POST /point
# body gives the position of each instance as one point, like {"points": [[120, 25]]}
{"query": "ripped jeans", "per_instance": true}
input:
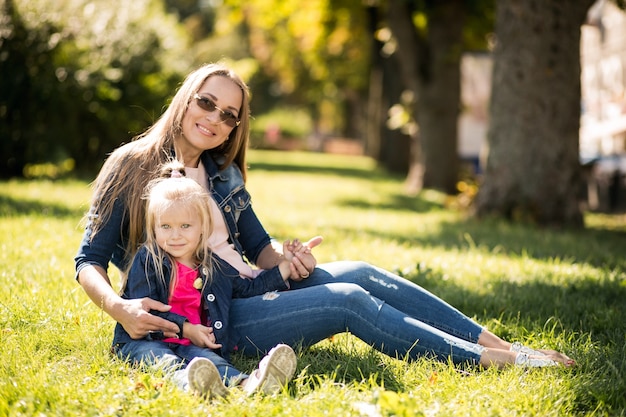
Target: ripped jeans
{"points": [[390, 313]]}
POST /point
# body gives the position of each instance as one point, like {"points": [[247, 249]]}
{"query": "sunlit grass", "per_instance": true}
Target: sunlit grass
{"points": [[559, 289]]}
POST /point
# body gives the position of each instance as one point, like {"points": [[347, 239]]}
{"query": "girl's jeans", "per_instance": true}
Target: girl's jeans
{"points": [[173, 359], [388, 312]]}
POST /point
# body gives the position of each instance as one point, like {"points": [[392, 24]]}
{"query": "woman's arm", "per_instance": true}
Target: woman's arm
{"points": [[133, 315], [93, 257]]}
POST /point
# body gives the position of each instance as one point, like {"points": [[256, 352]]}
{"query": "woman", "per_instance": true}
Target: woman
{"points": [[206, 127]]}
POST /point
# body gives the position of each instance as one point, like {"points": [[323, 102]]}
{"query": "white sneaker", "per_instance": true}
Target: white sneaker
{"points": [[523, 359], [204, 378], [518, 347], [275, 370]]}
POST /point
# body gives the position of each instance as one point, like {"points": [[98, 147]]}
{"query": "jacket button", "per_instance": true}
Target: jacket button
{"points": [[210, 298], [227, 209], [237, 235], [217, 325]]}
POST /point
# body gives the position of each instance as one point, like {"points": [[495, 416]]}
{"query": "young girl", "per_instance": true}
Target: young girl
{"points": [[176, 266]]}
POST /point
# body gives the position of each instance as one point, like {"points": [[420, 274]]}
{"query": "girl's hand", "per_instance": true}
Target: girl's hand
{"points": [[200, 335], [303, 262], [291, 247]]}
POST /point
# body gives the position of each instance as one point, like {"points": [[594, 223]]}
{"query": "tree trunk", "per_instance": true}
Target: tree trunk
{"points": [[533, 171], [430, 68], [375, 93], [395, 147], [440, 97]]}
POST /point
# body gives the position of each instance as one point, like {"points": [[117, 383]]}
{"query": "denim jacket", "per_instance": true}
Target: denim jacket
{"points": [[227, 188], [223, 284]]}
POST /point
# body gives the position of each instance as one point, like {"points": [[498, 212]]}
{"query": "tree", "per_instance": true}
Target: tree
{"points": [[431, 37], [80, 77], [318, 52], [533, 170], [429, 57], [25, 65]]}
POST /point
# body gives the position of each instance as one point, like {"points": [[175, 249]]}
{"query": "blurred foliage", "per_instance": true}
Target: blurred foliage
{"points": [[79, 77], [270, 129], [49, 170], [317, 53]]}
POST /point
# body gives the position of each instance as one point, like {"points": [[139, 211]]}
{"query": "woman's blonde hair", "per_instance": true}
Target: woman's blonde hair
{"points": [[182, 193], [129, 169]]}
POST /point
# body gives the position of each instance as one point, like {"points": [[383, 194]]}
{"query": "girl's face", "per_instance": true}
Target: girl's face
{"points": [[203, 129], [178, 231]]}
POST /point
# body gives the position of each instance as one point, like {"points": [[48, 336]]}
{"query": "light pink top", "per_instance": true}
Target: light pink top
{"points": [[219, 238]]}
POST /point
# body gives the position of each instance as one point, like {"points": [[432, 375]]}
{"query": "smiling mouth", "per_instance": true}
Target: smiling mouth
{"points": [[176, 246], [205, 130]]}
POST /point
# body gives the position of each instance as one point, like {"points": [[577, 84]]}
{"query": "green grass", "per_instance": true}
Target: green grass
{"points": [[558, 289]]}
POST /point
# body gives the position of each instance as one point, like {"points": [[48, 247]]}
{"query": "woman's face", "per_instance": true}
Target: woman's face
{"points": [[202, 129]]}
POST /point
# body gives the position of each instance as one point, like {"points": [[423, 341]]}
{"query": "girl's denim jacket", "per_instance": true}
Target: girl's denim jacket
{"points": [[228, 189], [223, 284]]}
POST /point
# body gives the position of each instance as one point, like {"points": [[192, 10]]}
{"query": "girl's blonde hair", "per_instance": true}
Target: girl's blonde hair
{"points": [[130, 168], [182, 193]]}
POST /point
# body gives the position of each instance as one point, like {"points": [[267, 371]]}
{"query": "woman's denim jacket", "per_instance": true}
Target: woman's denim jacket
{"points": [[220, 287], [228, 189]]}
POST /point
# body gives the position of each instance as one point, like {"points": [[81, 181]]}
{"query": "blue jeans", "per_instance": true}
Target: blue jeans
{"points": [[173, 358], [390, 313]]}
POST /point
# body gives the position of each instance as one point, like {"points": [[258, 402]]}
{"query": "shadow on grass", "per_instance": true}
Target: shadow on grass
{"points": [[586, 306], [602, 249], [10, 207], [343, 171], [397, 203]]}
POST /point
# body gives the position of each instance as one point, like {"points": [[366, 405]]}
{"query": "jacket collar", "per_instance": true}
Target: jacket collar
{"points": [[210, 163]]}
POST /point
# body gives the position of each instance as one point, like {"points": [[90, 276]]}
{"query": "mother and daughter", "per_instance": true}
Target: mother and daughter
{"points": [[286, 299]]}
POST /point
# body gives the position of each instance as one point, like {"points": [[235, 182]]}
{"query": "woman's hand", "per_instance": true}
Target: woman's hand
{"points": [[134, 316]]}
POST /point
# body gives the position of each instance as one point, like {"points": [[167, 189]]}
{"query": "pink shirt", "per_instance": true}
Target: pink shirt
{"points": [[185, 300]]}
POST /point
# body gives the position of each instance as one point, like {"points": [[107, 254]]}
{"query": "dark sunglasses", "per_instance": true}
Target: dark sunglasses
{"points": [[209, 105]]}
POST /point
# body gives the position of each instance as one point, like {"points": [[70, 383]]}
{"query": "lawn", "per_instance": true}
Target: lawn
{"points": [[564, 290]]}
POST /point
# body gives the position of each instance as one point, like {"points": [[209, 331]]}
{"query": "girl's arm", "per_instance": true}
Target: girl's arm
{"points": [[267, 281], [200, 335]]}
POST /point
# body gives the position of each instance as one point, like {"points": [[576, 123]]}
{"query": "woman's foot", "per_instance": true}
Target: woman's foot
{"points": [[275, 370], [204, 378]]}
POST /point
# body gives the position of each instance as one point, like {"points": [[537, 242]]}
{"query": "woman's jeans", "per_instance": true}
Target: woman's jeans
{"points": [[173, 359], [388, 312]]}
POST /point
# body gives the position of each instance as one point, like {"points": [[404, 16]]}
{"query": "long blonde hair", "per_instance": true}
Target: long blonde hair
{"points": [[129, 169], [182, 193]]}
